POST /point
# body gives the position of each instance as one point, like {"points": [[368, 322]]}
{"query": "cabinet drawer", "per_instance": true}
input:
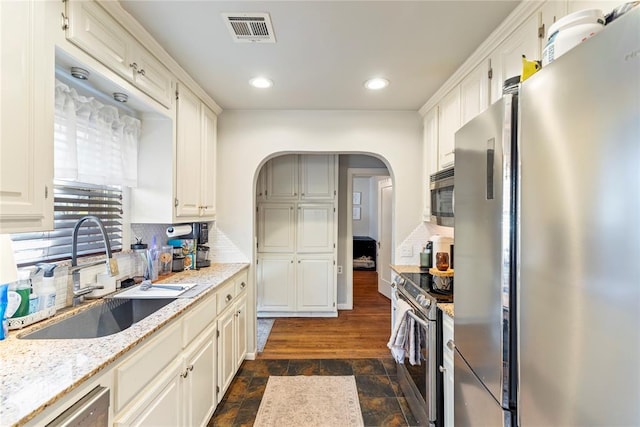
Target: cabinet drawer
{"points": [[242, 281], [147, 363], [198, 318], [226, 295]]}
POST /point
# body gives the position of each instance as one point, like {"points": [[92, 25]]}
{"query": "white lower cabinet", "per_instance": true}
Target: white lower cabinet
{"points": [[181, 374], [232, 343], [447, 369], [276, 278], [316, 284]]}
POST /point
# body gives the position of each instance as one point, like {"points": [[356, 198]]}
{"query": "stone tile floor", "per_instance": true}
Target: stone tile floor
{"points": [[381, 400]]}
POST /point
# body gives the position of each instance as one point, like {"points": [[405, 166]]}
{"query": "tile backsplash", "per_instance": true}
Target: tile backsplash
{"points": [[408, 253]]}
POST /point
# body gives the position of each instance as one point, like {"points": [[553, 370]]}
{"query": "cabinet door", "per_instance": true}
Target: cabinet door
{"points": [[506, 60], [316, 232], [261, 184], [209, 154], [316, 283], [448, 124], [93, 30], [162, 405], [448, 379], [241, 330], [200, 379], [474, 92], [26, 118], [226, 346], [282, 178], [188, 161], [276, 282], [276, 227], [317, 177], [152, 77], [430, 157]]}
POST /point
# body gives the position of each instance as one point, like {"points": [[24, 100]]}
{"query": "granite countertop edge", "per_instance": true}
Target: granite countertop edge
{"points": [[35, 374]]}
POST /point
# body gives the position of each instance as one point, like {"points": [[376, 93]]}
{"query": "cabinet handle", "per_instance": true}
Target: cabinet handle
{"points": [[243, 285], [141, 71], [134, 66], [190, 368], [185, 374], [228, 298], [451, 344], [302, 194], [442, 369]]}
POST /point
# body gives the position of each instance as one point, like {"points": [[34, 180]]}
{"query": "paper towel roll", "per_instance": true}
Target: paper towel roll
{"points": [[179, 230]]}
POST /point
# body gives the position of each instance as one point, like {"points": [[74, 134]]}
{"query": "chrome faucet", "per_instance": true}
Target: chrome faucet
{"points": [[112, 265]]}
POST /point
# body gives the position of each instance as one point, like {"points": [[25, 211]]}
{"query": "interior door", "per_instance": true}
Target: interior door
{"points": [[385, 216]]}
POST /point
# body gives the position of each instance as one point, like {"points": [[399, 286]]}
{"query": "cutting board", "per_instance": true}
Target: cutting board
{"points": [[136, 293]]}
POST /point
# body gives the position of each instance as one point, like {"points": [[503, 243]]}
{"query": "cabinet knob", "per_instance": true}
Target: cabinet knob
{"points": [[451, 344], [302, 194], [243, 285], [228, 298], [442, 368]]}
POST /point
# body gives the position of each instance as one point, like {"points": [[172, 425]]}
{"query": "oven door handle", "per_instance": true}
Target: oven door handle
{"points": [[418, 319]]}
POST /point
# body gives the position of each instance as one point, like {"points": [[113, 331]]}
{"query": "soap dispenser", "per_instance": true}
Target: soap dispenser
{"points": [[47, 290]]}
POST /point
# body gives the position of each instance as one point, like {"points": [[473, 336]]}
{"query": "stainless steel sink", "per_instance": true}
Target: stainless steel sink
{"points": [[106, 318]]}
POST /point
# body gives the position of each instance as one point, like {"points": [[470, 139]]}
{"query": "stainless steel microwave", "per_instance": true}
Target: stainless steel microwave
{"points": [[442, 200]]}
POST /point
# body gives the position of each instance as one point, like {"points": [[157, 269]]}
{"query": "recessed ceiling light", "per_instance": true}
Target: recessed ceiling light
{"points": [[376, 83], [261, 82]]}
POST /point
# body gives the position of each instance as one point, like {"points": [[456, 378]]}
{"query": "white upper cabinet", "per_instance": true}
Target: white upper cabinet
{"points": [[448, 124], [430, 157], [474, 92], [195, 157], [506, 60], [26, 118], [92, 29]]}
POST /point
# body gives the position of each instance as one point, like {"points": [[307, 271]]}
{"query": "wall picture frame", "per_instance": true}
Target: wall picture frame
{"points": [[357, 196], [356, 212]]}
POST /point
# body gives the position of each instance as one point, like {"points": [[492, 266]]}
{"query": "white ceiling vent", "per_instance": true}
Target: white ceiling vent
{"points": [[250, 27]]}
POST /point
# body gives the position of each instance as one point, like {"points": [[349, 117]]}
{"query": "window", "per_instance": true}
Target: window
{"points": [[95, 148], [71, 202]]}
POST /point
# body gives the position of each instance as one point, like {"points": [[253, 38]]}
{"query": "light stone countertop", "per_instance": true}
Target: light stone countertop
{"points": [[34, 374], [446, 308]]}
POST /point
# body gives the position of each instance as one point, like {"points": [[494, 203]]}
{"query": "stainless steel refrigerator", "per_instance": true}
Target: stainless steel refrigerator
{"points": [[547, 230]]}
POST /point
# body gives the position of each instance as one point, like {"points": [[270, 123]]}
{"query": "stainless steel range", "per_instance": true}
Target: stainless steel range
{"points": [[422, 384]]}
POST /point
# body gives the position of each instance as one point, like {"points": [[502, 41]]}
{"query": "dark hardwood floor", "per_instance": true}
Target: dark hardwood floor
{"points": [[359, 333]]}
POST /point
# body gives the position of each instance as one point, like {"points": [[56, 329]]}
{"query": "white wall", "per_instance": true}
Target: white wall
{"points": [[362, 226], [246, 139]]}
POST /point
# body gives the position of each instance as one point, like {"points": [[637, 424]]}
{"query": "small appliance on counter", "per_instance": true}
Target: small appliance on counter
{"points": [[189, 249]]}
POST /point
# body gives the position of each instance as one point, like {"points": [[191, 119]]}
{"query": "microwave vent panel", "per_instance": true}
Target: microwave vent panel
{"points": [[250, 27]]}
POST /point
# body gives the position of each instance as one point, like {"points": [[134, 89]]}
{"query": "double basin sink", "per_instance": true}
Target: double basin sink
{"points": [[108, 317]]}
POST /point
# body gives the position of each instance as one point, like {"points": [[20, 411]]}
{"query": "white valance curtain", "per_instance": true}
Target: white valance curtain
{"points": [[94, 143]]}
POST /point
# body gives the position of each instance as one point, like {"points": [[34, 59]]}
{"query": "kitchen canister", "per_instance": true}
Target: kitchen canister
{"points": [[570, 31], [441, 244]]}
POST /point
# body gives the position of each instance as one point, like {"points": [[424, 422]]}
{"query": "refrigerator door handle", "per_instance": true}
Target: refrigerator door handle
{"points": [[491, 148]]}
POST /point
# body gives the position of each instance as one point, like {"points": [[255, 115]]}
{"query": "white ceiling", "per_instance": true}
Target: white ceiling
{"points": [[325, 50]]}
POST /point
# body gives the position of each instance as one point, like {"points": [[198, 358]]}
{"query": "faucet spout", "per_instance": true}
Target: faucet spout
{"points": [[112, 265]]}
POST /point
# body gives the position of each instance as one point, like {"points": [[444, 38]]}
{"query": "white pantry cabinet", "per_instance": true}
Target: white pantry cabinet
{"points": [[316, 289], [95, 31], [277, 283], [26, 118], [276, 227], [316, 228], [301, 177]]}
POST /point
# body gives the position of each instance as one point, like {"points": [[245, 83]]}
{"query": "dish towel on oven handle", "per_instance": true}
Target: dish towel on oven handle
{"points": [[403, 340]]}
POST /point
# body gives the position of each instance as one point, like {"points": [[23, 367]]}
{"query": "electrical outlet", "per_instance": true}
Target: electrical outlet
{"points": [[339, 269], [407, 251]]}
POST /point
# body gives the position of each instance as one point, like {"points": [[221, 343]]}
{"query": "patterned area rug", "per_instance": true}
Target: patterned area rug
{"points": [[310, 401], [263, 331]]}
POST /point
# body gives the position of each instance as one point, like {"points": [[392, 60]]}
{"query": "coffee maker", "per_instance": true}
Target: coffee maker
{"points": [[189, 242]]}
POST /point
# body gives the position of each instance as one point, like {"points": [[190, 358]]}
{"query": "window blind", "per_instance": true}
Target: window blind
{"points": [[72, 201]]}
